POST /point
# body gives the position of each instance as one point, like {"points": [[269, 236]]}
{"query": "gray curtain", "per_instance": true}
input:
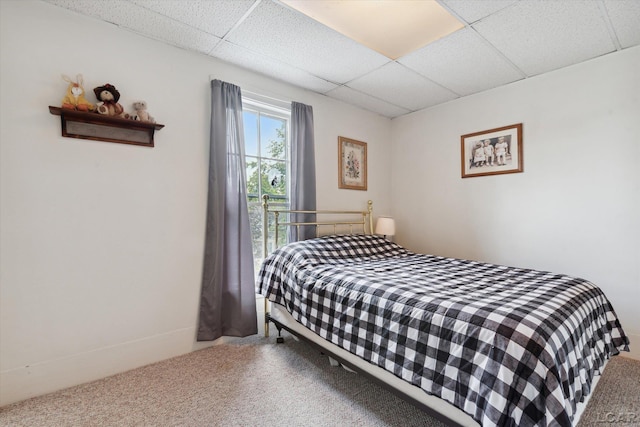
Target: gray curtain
{"points": [[228, 300], [303, 169]]}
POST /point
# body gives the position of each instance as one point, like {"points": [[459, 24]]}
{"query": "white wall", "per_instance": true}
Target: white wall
{"points": [[576, 207], [101, 244]]}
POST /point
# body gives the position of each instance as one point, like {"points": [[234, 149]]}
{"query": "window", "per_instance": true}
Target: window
{"points": [[266, 135]]}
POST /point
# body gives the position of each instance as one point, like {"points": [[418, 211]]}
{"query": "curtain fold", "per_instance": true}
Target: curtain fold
{"points": [[303, 169], [227, 302]]}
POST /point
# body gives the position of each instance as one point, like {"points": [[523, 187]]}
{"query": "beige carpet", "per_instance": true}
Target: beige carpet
{"points": [[616, 399], [255, 382]]}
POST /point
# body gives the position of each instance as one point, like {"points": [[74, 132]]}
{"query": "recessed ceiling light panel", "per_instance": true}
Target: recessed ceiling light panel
{"points": [[392, 27]]}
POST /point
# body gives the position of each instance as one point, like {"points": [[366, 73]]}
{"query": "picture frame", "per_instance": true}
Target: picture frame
{"points": [[352, 164], [492, 152]]}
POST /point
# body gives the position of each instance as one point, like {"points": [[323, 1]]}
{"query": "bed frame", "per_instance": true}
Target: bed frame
{"points": [[361, 220], [358, 222], [347, 222]]}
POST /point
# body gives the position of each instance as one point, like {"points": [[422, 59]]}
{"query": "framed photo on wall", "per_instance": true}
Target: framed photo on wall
{"points": [[492, 152], [352, 164]]}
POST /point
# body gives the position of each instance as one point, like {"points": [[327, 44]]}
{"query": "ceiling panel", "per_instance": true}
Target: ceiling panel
{"points": [[294, 38], [140, 20], [367, 102], [270, 67], [117, 12], [91, 7], [463, 63], [398, 85], [472, 11], [175, 33], [541, 35], [216, 17], [625, 17]]}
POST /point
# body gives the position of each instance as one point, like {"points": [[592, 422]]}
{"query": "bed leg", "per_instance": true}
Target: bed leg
{"points": [[280, 338], [266, 317]]}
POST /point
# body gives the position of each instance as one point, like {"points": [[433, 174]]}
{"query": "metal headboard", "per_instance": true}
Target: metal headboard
{"points": [[362, 222]]}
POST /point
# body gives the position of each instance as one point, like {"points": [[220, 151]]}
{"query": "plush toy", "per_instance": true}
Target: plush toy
{"points": [[109, 96], [74, 98], [141, 112]]}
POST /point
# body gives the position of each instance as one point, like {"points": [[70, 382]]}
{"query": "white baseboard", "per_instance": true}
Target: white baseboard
{"points": [[52, 375]]}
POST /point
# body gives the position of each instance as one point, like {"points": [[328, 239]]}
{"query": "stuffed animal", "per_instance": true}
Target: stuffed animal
{"points": [[74, 98], [141, 112], [109, 96]]}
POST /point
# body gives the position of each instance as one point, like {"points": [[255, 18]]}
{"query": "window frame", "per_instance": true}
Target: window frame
{"points": [[267, 107]]}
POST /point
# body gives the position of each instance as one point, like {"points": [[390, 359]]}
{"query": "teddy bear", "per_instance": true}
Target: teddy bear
{"points": [[141, 112], [109, 96], [74, 98]]}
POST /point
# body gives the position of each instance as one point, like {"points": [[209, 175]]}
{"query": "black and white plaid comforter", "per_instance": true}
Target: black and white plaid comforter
{"points": [[508, 346]]}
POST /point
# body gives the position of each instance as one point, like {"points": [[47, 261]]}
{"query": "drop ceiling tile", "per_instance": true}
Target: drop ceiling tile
{"points": [[398, 85], [216, 17], [542, 35], [463, 63], [248, 59], [177, 34], [293, 38], [145, 22], [472, 11], [367, 102], [91, 7], [625, 18]]}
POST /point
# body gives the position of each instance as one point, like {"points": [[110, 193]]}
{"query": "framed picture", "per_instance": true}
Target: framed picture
{"points": [[352, 164], [492, 152]]}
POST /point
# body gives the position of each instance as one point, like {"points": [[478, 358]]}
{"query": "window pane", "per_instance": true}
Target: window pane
{"points": [[274, 174], [273, 137], [255, 221], [253, 188], [267, 156], [250, 120], [282, 230]]}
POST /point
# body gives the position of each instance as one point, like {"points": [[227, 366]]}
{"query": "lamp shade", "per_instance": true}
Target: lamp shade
{"points": [[386, 226]]}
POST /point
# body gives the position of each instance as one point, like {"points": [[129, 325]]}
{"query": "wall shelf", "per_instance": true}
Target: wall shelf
{"points": [[96, 127]]}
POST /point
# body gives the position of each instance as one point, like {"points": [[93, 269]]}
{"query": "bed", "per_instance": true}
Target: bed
{"points": [[472, 343]]}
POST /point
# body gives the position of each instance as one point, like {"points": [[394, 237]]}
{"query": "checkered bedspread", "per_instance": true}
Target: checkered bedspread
{"points": [[508, 346]]}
